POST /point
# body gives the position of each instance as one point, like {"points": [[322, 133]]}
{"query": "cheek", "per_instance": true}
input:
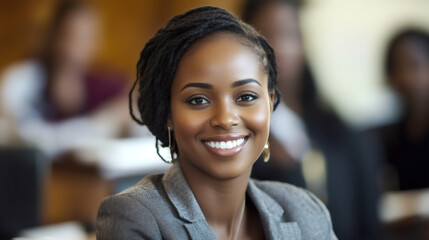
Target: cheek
{"points": [[258, 120], [186, 123]]}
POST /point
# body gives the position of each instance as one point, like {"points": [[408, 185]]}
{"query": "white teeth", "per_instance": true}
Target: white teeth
{"points": [[225, 145]]}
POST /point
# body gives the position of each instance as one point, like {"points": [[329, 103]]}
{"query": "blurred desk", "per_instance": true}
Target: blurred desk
{"points": [[120, 158], [81, 179]]}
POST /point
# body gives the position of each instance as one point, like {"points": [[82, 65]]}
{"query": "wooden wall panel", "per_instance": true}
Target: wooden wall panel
{"points": [[126, 26], [174, 7], [21, 24]]}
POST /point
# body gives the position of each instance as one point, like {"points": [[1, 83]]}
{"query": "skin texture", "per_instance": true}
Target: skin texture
{"points": [[279, 24], [219, 180], [410, 78]]}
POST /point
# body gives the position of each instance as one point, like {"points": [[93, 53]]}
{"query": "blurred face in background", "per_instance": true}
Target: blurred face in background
{"points": [[410, 70], [76, 38], [278, 22]]}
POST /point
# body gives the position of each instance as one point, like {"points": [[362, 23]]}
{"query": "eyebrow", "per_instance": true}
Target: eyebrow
{"points": [[209, 86], [245, 81], [197, 85]]}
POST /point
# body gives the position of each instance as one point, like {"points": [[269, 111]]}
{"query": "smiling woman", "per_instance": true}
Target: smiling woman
{"points": [[219, 96], [207, 88]]}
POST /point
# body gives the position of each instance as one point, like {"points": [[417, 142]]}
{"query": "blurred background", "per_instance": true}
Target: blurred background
{"points": [[67, 141]]}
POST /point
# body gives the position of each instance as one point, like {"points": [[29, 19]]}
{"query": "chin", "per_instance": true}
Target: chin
{"points": [[230, 170]]}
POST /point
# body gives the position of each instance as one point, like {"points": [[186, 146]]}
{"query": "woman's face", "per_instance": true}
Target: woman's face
{"points": [[220, 108]]}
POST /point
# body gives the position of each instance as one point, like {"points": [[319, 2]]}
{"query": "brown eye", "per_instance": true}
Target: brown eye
{"points": [[198, 101], [247, 98]]}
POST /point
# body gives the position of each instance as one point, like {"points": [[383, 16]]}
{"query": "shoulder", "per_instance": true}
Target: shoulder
{"points": [[128, 215], [23, 71], [301, 206], [287, 193]]}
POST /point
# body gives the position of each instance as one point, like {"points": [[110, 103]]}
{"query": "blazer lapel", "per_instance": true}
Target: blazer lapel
{"points": [[286, 230], [183, 200], [181, 196], [273, 216]]}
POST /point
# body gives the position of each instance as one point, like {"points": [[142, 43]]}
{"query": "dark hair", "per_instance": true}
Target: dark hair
{"points": [[252, 7], [409, 33], [161, 55]]}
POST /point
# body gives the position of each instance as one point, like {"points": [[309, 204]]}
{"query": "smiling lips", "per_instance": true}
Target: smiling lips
{"points": [[225, 146]]}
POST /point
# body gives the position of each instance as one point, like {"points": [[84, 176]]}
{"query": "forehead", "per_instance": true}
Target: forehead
{"points": [[228, 40], [220, 56]]}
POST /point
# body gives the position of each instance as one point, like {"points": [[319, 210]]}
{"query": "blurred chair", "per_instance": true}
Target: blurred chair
{"points": [[22, 175]]}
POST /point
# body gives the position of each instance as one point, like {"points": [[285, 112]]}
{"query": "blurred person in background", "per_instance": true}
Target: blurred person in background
{"points": [[406, 142], [56, 101], [308, 135]]}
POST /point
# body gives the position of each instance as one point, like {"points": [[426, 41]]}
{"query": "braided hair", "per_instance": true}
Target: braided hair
{"points": [[161, 55]]}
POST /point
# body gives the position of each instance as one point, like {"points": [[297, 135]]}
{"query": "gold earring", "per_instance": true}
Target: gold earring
{"points": [[170, 145], [267, 152]]}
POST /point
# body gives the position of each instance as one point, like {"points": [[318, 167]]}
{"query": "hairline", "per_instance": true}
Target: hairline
{"points": [[241, 38]]}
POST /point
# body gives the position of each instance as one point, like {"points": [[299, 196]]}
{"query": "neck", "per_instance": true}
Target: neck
{"points": [[220, 200]]}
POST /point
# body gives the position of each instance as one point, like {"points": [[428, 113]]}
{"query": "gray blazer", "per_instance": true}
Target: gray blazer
{"points": [[164, 207]]}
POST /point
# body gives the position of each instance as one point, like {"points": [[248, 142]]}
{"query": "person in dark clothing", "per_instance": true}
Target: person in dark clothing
{"points": [[406, 142], [310, 145]]}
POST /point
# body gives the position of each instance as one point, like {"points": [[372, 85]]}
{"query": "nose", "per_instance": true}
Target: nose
{"points": [[224, 116]]}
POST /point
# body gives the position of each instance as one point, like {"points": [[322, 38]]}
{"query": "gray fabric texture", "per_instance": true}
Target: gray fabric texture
{"points": [[163, 207]]}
